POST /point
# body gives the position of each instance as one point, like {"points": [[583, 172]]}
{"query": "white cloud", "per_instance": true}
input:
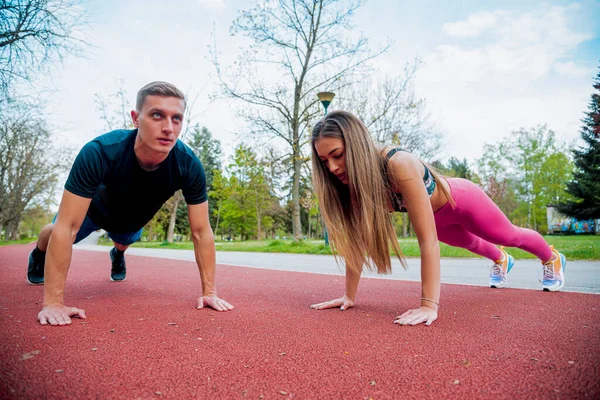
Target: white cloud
{"points": [[573, 69], [529, 43], [524, 74], [474, 26], [138, 50]]}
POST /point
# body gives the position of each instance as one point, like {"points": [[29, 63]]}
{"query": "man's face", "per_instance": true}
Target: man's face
{"points": [[159, 122]]}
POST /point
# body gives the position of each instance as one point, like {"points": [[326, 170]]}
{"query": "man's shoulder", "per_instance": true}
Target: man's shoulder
{"points": [[184, 154], [111, 144], [115, 137]]}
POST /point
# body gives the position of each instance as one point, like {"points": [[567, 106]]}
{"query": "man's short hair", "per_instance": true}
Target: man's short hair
{"points": [[158, 88]]}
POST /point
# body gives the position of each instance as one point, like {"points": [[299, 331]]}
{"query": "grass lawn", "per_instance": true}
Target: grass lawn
{"points": [[20, 241], [583, 247]]}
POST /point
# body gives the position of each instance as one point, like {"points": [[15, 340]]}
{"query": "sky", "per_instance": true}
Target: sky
{"points": [[489, 67]]}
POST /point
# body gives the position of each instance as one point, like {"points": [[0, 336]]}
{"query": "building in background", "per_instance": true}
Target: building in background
{"points": [[561, 224]]}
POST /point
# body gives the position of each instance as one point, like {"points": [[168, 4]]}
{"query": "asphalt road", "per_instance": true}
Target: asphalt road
{"points": [[581, 276]]}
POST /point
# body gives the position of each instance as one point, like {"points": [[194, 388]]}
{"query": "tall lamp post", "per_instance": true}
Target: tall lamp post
{"points": [[326, 98]]}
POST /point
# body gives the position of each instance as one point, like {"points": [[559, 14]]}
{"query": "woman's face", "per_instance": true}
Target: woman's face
{"points": [[332, 153]]}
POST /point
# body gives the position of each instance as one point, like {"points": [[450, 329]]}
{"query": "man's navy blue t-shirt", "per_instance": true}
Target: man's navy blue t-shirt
{"points": [[124, 196]]}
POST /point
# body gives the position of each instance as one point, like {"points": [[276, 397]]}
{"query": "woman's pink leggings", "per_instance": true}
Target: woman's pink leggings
{"points": [[478, 225]]}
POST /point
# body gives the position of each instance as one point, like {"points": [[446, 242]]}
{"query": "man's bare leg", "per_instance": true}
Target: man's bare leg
{"points": [[120, 247], [44, 237]]}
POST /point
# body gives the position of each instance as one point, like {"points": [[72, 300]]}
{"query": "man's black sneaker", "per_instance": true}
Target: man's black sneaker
{"points": [[118, 271], [35, 269]]}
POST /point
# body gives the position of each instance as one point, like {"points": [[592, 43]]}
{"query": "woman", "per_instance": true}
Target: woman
{"points": [[359, 183]]}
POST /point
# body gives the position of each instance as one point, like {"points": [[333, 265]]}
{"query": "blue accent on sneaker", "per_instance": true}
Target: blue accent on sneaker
{"points": [[511, 262], [497, 274], [551, 281]]}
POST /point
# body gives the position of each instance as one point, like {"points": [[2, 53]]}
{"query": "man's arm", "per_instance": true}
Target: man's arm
{"points": [[204, 249], [71, 212]]}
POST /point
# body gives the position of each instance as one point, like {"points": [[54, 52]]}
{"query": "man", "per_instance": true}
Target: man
{"points": [[118, 182]]}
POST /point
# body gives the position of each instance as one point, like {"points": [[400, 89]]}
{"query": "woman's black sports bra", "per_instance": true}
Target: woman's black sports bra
{"points": [[428, 180]]}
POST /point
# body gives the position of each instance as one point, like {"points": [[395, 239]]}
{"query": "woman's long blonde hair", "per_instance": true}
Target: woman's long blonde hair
{"points": [[358, 221]]}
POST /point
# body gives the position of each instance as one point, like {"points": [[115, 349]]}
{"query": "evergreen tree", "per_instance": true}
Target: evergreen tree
{"points": [[208, 150], [460, 169], [585, 186]]}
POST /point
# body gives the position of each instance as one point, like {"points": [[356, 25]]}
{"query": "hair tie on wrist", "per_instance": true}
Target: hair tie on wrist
{"points": [[433, 301]]}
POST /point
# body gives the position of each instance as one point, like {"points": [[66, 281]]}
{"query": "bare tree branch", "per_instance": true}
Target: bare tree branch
{"points": [[298, 47], [36, 34], [29, 163], [393, 113]]}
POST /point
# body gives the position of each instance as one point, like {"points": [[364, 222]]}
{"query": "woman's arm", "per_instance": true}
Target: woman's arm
{"points": [[347, 301], [407, 171], [352, 279]]}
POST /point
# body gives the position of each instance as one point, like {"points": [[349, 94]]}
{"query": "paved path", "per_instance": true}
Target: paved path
{"points": [[582, 276], [144, 339]]}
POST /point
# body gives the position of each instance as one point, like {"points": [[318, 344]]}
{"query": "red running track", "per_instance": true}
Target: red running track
{"points": [[143, 338]]}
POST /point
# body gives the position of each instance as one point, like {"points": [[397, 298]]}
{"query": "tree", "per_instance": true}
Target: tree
{"points": [[246, 205], [35, 34], [530, 152], [156, 228], [460, 169], [530, 162], [220, 192], [34, 219], [299, 48], [496, 181], [392, 112], [29, 163], [251, 191], [310, 203], [239, 213], [455, 168], [585, 185], [209, 152], [115, 109]]}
